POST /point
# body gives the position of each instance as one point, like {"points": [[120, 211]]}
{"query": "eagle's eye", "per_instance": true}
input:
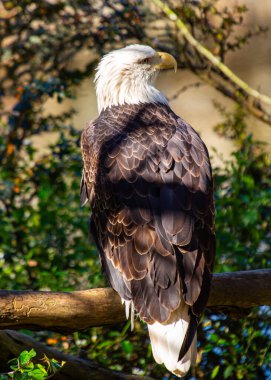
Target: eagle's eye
{"points": [[145, 60]]}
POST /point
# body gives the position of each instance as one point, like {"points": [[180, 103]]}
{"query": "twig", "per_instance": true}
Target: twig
{"points": [[185, 88], [217, 74], [213, 59]]}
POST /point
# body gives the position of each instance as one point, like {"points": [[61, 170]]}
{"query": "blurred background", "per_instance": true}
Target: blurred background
{"points": [[49, 51]]}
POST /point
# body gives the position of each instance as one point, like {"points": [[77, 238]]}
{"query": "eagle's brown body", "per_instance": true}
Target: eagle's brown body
{"points": [[148, 179]]}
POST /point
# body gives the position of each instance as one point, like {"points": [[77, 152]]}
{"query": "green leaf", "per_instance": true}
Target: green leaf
{"points": [[250, 217], [228, 371], [21, 376], [127, 346], [214, 337], [248, 182], [29, 366], [41, 368], [26, 356], [215, 371], [4, 377], [37, 374]]}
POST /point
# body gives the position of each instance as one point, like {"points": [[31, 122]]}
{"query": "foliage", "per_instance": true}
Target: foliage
{"points": [[23, 368], [239, 348], [41, 229], [43, 232], [243, 199]]}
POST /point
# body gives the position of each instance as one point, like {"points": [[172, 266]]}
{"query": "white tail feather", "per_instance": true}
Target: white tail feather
{"points": [[167, 340]]}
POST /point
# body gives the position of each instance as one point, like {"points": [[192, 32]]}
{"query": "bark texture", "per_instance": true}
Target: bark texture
{"points": [[79, 310]]}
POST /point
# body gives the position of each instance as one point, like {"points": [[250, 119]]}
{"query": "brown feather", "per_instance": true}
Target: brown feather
{"points": [[148, 179]]}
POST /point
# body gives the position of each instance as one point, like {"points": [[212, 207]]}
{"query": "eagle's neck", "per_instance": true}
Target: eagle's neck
{"points": [[112, 91]]}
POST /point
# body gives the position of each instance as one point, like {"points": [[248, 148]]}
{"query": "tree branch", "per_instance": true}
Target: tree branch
{"points": [[79, 310], [242, 92], [185, 88], [12, 343]]}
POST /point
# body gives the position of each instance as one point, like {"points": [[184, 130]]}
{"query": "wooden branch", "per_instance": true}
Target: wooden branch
{"points": [[74, 311], [12, 343], [240, 88], [60, 311]]}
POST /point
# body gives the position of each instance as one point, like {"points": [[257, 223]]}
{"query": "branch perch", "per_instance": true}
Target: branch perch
{"points": [[79, 310]]}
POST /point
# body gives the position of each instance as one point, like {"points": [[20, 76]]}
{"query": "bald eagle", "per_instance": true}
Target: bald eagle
{"points": [[148, 180]]}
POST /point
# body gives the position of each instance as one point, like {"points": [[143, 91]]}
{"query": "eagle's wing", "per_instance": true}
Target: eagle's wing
{"points": [[153, 211], [89, 167]]}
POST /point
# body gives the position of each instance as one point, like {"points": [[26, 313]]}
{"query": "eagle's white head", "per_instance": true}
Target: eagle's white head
{"points": [[127, 76]]}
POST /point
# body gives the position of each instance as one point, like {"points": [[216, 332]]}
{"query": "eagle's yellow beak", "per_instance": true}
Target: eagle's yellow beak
{"points": [[166, 61]]}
